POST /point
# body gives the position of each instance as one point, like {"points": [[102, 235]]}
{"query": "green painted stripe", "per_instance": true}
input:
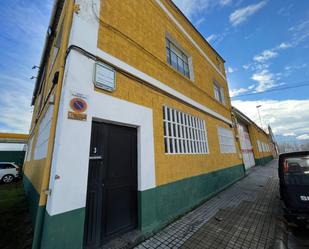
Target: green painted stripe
{"points": [[33, 198], [161, 205], [157, 207], [262, 161], [63, 231], [36, 242]]}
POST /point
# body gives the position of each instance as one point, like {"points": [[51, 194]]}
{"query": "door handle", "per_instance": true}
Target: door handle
{"points": [[95, 157]]}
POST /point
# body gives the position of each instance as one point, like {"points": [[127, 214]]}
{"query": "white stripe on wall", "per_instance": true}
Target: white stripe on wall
{"points": [[158, 84]]}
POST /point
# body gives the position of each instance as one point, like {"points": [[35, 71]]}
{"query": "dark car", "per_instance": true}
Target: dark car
{"points": [[294, 185]]}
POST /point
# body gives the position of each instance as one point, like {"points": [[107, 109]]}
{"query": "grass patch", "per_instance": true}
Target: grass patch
{"points": [[15, 225]]}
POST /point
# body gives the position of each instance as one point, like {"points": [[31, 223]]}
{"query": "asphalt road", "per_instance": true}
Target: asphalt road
{"points": [[298, 238]]}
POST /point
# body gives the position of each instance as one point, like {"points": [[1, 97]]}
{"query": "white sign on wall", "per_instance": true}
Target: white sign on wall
{"points": [[104, 77]]}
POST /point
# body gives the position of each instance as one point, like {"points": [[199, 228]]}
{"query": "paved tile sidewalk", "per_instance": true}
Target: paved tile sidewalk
{"points": [[242, 216]]}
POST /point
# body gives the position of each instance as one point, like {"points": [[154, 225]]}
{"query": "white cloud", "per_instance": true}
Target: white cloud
{"points": [[192, 7], [265, 55], [241, 15], [231, 70], [265, 80], [284, 45], [212, 37], [289, 134], [303, 137], [284, 116], [246, 67], [199, 21], [300, 32], [237, 91], [225, 2], [260, 68], [25, 26], [15, 104]]}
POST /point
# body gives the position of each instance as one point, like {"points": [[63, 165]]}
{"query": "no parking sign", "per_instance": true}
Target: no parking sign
{"points": [[78, 107]]}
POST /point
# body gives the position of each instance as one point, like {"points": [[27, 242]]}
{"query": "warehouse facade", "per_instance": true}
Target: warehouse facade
{"points": [[257, 146], [132, 123]]}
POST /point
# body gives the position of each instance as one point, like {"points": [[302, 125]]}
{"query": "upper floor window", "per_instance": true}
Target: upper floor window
{"points": [[219, 93], [184, 133], [177, 58]]}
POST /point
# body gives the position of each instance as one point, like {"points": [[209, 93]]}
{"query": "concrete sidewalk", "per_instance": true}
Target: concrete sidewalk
{"points": [[242, 216]]}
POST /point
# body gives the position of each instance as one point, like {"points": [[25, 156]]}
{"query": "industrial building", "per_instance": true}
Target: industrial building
{"points": [[132, 123]]}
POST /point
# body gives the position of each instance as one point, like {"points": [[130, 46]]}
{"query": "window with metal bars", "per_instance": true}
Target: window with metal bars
{"points": [[184, 133], [177, 58]]}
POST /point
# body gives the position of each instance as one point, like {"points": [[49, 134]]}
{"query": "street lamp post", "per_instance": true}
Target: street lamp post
{"points": [[257, 107]]}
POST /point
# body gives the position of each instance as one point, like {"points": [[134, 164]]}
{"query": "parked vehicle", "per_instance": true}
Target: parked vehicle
{"points": [[8, 172], [294, 185]]}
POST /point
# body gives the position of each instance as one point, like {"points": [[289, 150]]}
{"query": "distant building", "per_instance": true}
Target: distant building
{"points": [[132, 123], [257, 146]]}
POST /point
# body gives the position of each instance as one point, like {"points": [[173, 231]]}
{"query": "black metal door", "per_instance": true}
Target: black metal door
{"points": [[111, 207]]}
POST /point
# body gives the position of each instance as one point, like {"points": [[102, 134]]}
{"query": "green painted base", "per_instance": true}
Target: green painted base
{"points": [[157, 208], [161, 205], [32, 198], [63, 231], [262, 161]]}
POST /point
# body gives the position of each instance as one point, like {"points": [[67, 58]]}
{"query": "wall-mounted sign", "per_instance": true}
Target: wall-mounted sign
{"points": [[78, 107], [104, 77]]}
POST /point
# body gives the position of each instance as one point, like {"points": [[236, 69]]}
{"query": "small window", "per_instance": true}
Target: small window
{"points": [[6, 166], [184, 133], [260, 146], [226, 140], [177, 58], [219, 93]]}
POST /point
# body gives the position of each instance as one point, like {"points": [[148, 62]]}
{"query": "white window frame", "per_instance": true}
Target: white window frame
{"points": [[184, 133], [259, 145], [219, 92], [228, 134], [185, 57]]}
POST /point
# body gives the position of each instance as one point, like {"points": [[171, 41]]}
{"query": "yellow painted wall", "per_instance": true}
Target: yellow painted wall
{"points": [[257, 134], [170, 168], [138, 38]]}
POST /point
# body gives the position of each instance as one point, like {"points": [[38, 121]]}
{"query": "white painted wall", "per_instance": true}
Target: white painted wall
{"points": [[72, 143], [41, 146]]}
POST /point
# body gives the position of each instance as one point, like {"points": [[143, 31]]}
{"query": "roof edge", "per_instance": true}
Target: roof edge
{"points": [[48, 38], [243, 116], [196, 30]]}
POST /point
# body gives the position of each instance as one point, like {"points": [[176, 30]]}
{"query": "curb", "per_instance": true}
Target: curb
{"points": [[281, 234]]}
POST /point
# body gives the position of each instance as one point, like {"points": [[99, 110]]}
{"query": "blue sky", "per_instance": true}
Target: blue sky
{"points": [[265, 45], [23, 25]]}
